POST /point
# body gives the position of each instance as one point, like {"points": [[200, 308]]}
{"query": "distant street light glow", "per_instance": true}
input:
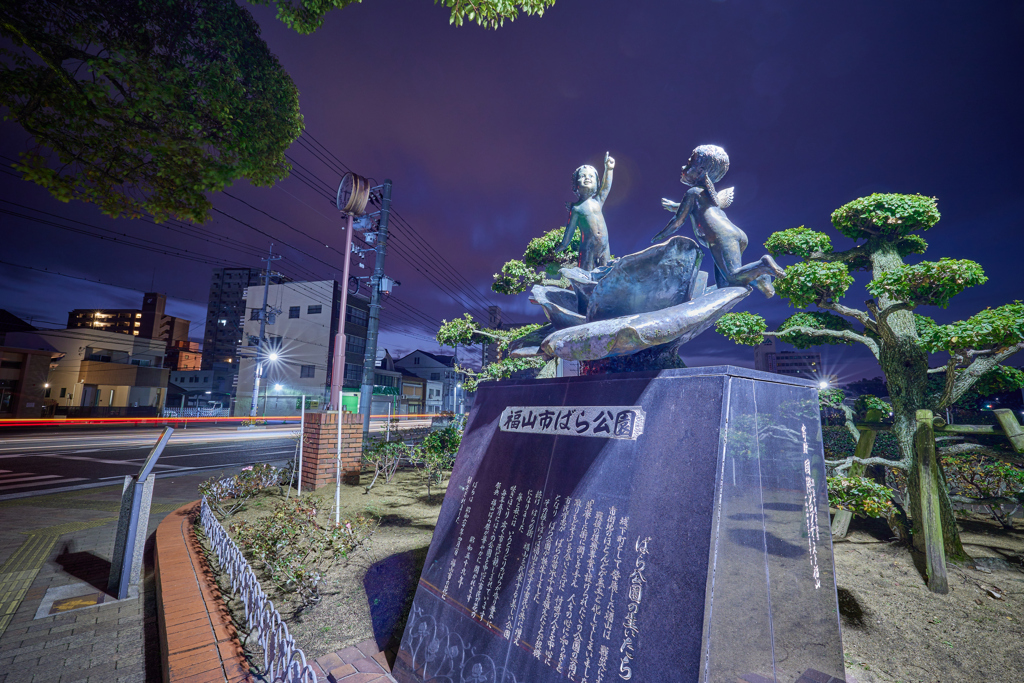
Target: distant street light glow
{"points": [[277, 387], [823, 384], [273, 355]]}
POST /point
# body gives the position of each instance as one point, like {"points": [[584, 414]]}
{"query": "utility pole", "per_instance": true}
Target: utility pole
{"points": [[370, 359], [340, 340], [258, 371]]}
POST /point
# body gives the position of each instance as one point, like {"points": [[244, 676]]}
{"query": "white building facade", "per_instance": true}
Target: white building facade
{"points": [[440, 373], [298, 346], [97, 369]]}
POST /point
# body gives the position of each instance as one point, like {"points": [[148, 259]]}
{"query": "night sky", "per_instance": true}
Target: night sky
{"points": [[817, 103]]}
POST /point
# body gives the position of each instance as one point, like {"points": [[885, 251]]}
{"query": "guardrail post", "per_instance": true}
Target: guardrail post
{"points": [[130, 540]]}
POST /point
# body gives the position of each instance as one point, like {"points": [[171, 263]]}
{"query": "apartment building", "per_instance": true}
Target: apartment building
{"points": [[149, 322], [768, 357]]}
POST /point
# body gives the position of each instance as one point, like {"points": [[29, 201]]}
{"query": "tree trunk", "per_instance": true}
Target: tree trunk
{"points": [[905, 365], [929, 481]]}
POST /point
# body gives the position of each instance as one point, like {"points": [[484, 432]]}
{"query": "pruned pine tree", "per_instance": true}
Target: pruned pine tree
{"points": [[885, 228], [539, 265]]}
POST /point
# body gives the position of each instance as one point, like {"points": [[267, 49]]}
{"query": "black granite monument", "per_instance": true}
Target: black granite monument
{"points": [[661, 526]]}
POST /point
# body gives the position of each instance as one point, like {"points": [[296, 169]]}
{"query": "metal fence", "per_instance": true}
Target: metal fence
{"points": [[94, 412], [195, 412], [282, 660]]}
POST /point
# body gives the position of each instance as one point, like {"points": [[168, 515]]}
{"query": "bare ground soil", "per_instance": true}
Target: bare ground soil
{"points": [[894, 629]]}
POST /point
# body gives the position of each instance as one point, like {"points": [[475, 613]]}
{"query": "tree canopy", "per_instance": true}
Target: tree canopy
{"points": [[306, 16], [145, 107]]}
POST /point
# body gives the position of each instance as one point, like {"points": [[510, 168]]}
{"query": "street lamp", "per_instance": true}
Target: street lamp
{"points": [[823, 384]]}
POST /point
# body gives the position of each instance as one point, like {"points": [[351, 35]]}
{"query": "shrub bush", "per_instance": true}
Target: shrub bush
{"points": [[860, 496], [295, 551], [385, 456], [229, 494], [437, 452]]}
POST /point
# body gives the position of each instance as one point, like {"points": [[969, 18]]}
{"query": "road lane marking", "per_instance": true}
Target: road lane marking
{"points": [[26, 476], [40, 483]]}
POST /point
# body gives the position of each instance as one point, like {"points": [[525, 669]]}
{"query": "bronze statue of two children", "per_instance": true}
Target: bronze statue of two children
{"points": [[703, 205]]}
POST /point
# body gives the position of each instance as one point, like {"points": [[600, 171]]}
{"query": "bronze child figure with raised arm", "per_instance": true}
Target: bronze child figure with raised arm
{"points": [[587, 215], [703, 205]]}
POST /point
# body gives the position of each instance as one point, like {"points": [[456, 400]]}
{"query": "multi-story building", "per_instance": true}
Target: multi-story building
{"points": [[91, 368], [434, 400], [301, 327], [436, 368], [225, 314], [769, 358], [357, 318], [148, 322]]}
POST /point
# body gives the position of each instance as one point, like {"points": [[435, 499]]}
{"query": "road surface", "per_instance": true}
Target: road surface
{"points": [[41, 463]]}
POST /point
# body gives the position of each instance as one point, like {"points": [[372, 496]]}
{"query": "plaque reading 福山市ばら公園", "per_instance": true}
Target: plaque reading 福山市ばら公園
{"points": [[609, 422]]}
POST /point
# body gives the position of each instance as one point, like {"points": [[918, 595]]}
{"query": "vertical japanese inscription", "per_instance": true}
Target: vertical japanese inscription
{"points": [[631, 626], [465, 508], [563, 561], [811, 514]]}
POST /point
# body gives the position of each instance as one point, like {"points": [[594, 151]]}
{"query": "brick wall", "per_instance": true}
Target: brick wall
{"points": [[320, 449]]}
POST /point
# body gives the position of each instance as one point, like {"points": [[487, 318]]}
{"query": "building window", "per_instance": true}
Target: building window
{"points": [[307, 371], [355, 345], [47, 392], [435, 376], [356, 316], [416, 360], [353, 372], [255, 314], [293, 311], [313, 309], [10, 364], [63, 392]]}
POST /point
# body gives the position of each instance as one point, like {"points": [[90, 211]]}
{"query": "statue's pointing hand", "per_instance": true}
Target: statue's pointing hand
{"points": [[609, 161]]}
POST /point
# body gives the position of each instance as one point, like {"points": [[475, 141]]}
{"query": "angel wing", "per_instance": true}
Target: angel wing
{"points": [[725, 197], [669, 205]]}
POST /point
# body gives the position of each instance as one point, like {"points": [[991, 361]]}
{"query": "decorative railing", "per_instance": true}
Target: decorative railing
{"points": [[282, 660]]}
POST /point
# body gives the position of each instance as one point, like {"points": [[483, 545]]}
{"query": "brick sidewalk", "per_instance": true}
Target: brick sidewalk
{"points": [[62, 543]]}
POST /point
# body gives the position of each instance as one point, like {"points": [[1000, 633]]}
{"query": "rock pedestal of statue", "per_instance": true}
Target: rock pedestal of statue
{"points": [[661, 526]]}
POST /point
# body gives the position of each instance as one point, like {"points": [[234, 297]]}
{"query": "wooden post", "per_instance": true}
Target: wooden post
{"points": [[865, 443], [841, 524], [931, 520], [1008, 421]]}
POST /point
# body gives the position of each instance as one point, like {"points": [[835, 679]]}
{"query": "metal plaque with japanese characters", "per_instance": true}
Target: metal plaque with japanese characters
{"points": [[609, 422]]}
